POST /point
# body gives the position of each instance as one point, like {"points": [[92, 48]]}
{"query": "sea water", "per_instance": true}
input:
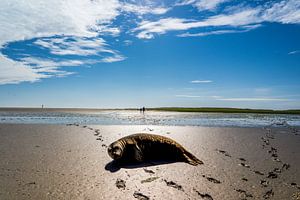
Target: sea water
{"points": [[150, 118]]}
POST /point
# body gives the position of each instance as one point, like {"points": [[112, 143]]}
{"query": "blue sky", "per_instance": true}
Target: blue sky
{"points": [[116, 54]]}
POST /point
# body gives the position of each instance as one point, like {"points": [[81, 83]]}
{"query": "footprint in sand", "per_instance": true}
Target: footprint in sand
{"points": [[223, 152], [204, 196], [120, 184], [213, 180], [148, 180], [259, 173], [174, 185], [285, 166], [272, 175], [245, 193], [295, 185], [149, 171], [140, 196], [244, 165], [244, 179], [264, 183], [268, 194]]}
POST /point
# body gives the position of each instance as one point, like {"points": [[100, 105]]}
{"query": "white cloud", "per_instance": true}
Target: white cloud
{"points": [[29, 19], [147, 28], [252, 99], [15, 72], [114, 58], [141, 10], [188, 96], [294, 52], [286, 11], [201, 81], [85, 19], [203, 4], [218, 32], [75, 46], [196, 96]]}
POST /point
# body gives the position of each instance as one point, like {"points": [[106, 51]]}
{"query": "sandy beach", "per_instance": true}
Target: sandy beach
{"points": [[71, 162]]}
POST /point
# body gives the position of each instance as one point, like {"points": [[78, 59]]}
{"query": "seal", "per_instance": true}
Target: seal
{"points": [[143, 147]]}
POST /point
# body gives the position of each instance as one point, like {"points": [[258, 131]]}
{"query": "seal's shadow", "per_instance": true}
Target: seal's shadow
{"points": [[115, 166]]}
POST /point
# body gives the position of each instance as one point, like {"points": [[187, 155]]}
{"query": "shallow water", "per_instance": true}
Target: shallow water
{"points": [[149, 118]]}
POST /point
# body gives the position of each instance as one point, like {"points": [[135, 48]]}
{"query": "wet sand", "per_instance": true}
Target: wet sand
{"points": [[71, 162]]}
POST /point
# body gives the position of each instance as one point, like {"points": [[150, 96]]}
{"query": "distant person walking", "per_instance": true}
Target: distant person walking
{"points": [[144, 109]]}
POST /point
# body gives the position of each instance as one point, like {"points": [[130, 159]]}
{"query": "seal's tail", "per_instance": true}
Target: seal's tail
{"points": [[191, 159]]}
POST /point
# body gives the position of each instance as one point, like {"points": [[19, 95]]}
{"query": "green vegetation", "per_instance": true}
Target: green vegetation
{"points": [[226, 110]]}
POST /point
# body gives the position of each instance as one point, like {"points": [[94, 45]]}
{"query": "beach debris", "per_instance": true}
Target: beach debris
{"points": [[264, 183], [104, 145], [244, 179], [120, 184], [140, 196], [245, 193], [268, 194], [148, 180], [149, 171], [213, 180], [174, 185], [242, 159], [204, 196]]}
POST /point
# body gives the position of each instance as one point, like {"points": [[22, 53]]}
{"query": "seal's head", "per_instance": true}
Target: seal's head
{"points": [[115, 150]]}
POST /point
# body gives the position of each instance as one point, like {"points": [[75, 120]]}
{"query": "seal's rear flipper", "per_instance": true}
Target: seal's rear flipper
{"points": [[191, 159]]}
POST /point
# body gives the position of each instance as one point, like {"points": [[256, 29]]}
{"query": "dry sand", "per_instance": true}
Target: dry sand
{"points": [[71, 162]]}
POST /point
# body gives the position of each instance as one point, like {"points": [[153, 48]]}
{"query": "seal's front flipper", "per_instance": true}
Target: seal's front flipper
{"points": [[138, 154]]}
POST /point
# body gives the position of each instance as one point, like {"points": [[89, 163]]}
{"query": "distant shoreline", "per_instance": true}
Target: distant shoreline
{"points": [[227, 110], [167, 109]]}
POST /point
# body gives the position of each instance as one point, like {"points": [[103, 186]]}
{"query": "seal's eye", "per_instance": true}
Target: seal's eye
{"points": [[117, 151]]}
